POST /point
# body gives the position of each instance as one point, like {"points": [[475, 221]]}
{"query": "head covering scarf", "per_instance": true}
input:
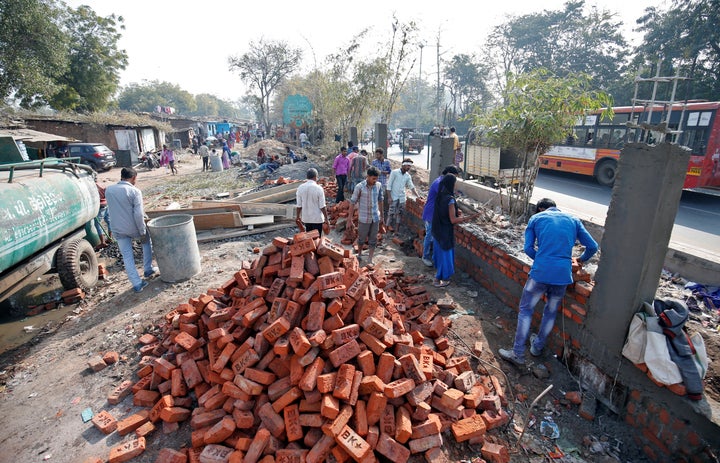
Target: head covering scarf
{"points": [[442, 227]]}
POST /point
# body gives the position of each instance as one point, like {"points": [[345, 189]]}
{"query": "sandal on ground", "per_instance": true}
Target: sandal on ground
{"points": [[441, 283]]}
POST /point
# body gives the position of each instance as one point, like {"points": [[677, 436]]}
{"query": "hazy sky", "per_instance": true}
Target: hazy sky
{"points": [[188, 43]]}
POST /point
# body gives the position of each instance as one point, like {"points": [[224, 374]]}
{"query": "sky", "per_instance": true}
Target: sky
{"points": [[188, 43]]}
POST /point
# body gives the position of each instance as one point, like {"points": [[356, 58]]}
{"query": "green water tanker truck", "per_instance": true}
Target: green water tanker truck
{"points": [[47, 209]]}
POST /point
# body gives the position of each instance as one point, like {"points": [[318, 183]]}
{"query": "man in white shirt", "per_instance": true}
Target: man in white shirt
{"points": [[399, 181], [310, 198]]}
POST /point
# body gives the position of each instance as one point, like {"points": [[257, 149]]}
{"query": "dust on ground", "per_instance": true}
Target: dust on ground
{"points": [[45, 383]]}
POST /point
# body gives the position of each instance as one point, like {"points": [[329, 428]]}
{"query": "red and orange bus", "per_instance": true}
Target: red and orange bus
{"points": [[594, 147]]}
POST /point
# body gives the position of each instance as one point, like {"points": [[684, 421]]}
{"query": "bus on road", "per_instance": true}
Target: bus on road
{"points": [[594, 146]]}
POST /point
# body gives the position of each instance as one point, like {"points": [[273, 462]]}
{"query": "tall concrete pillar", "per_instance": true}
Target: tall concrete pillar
{"points": [[441, 155], [640, 218], [381, 137], [354, 136]]}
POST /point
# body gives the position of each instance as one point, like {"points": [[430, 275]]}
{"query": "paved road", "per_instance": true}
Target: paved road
{"points": [[697, 223]]}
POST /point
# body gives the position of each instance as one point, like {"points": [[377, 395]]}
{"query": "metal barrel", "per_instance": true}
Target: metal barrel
{"points": [[175, 247]]}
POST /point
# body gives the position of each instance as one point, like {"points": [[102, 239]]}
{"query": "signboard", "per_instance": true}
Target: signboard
{"points": [[297, 111]]}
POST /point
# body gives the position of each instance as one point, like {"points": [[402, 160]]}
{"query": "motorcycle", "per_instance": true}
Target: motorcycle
{"points": [[150, 160]]}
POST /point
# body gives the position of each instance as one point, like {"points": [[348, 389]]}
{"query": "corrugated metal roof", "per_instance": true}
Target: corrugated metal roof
{"points": [[30, 135]]}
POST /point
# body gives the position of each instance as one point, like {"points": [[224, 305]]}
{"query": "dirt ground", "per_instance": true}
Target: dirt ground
{"points": [[45, 382]]}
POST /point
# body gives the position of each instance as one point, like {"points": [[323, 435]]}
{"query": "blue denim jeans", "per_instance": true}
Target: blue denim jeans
{"points": [[532, 292], [428, 241], [126, 249]]}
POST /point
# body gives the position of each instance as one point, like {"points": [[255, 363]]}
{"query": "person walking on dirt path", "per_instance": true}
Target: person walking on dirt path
{"points": [[311, 210], [168, 156], [427, 215], [457, 147], [399, 181], [204, 153], [341, 166], [367, 197], [125, 203], [358, 166], [550, 237], [304, 142], [383, 166]]}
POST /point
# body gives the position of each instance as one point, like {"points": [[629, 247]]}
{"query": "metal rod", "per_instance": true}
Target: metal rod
{"points": [[532, 405]]}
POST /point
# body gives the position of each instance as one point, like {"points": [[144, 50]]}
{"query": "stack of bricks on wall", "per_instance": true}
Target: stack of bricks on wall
{"points": [[304, 357]]}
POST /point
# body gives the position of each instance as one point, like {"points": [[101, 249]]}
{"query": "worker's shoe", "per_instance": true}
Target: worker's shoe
{"points": [[533, 351], [140, 287], [155, 272], [509, 355], [427, 262]]}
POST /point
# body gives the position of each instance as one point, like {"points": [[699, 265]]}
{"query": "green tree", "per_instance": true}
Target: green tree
{"points": [[569, 41], [687, 38], [264, 67], [465, 80], [540, 110], [93, 76], [33, 50], [147, 95], [399, 62]]}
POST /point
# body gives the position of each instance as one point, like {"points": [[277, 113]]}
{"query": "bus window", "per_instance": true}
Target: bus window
{"points": [[590, 138], [616, 141], [696, 140], [603, 140]]}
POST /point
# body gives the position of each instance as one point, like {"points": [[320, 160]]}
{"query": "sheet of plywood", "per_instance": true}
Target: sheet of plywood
{"points": [[276, 194], [217, 220], [216, 208], [257, 220], [205, 236], [280, 210]]}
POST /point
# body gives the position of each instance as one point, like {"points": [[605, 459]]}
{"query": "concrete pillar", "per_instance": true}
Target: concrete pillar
{"points": [[381, 137], [640, 218], [354, 136], [441, 155]]}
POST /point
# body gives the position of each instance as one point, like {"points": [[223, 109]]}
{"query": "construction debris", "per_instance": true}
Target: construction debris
{"points": [[304, 356]]}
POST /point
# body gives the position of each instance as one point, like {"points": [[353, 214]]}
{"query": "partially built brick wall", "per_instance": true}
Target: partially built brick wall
{"points": [[668, 428]]}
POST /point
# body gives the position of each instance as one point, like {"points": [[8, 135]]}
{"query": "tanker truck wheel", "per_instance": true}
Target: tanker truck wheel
{"points": [[77, 265]]}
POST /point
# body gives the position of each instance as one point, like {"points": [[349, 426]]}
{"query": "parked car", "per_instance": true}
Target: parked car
{"points": [[96, 155]]}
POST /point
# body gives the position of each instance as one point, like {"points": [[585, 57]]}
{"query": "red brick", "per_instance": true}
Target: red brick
{"points": [[145, 398], [132, 422], [174, 414], [393, 450], [168, 455], [495, 453], [105, 422], [220, 431], [120, 392], [343, 381], [257, 446], [425, 443], [214, 453], [350, 441], [145, 430], [344, 353], [468, 428], [127, 451], [399, 387], [375, 407]]}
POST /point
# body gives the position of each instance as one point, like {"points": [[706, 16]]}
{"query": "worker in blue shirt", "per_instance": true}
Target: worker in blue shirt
{"points": [[550, 237]]}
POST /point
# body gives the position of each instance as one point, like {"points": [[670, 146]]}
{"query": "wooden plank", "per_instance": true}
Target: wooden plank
{"points": [[276, 194], [219, 220], [207, 237], [258, 220], [279, 210], [216, 208]]}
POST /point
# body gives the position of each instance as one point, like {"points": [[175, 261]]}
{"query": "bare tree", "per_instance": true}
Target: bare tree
{"points": [[399, 52], [264, 67]]}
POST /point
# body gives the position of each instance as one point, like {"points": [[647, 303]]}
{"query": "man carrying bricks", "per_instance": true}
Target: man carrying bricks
{"points": [[310, 198], [427, 214], [367, 196], [125, 203], [549, 240]]}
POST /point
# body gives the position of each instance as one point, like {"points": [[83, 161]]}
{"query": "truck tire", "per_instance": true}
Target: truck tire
{"points": [[605, 172], [77, 265]]}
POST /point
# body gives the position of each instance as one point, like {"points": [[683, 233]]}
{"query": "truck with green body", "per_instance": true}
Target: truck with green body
{"points": [[47, 213]]}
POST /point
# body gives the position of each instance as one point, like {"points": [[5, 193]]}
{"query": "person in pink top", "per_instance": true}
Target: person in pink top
{"points": [[341, 166]]}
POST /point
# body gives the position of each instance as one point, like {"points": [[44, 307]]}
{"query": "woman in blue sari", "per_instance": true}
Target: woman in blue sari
{"points": [[445, 216]]}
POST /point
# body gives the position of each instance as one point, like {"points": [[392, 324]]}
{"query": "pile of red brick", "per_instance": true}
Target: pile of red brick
{"points": [[305, 357]]}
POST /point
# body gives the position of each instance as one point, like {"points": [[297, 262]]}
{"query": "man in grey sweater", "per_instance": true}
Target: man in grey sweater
{"points": [[127, 215]]}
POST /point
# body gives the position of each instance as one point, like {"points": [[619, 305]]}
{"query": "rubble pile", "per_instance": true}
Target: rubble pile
{"points": [[303, 356]]}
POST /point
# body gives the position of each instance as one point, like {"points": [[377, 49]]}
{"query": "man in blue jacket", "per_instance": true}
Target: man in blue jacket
{"points": [[550, 237]]}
